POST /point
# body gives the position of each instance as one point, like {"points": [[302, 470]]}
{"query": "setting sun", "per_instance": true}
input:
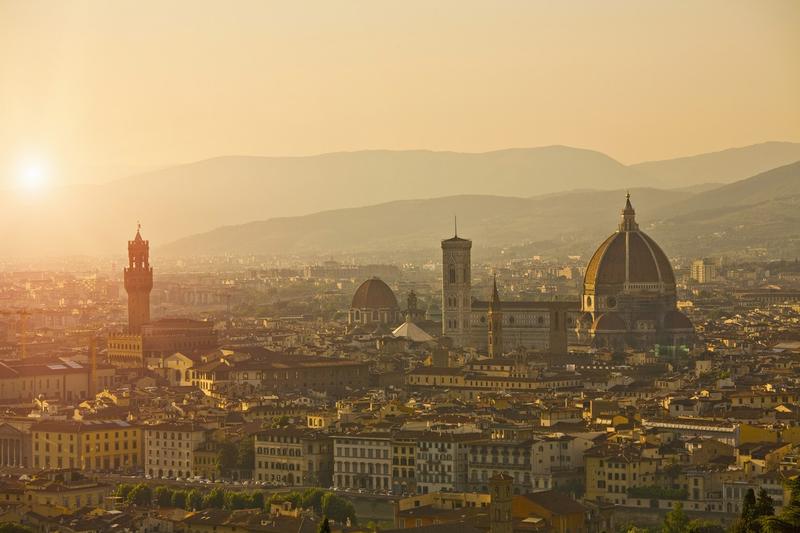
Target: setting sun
{"points": [[32, 175]]}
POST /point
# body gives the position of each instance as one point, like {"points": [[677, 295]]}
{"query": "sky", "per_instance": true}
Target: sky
{"points": [[90, 90]]}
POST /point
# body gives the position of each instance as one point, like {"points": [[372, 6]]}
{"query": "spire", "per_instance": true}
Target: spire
{"points": [[138, 236], [628, 222], [455, 225], [495, 294]]}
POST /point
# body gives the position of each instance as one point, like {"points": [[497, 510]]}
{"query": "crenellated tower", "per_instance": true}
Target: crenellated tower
{"points": [[138, 282]]}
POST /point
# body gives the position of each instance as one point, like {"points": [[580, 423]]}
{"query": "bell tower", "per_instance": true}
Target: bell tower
{"points": [[456, 289], [501, 504], [138, 282]]}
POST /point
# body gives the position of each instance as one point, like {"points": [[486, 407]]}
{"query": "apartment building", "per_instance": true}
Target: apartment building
{"points": [[363, 461], [170, 448], [442, 461], [612, 470], [293, 456], [95, 445]]}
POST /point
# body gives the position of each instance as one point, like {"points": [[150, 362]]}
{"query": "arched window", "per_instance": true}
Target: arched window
{"points": [[452, 274]]}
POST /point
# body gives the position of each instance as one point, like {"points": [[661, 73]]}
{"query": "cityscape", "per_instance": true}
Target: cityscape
{"points": [[417, 336]]}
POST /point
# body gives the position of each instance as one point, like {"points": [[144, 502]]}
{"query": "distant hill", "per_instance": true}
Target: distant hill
{"points": [[754, 213], [189, 199], [759, 212], [413, 225], [724, 167]]}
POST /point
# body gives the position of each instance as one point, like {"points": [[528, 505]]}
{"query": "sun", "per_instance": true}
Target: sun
{"points": [[32, 175]]}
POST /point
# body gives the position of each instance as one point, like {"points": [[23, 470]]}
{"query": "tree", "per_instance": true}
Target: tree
{"points": [[163, 496], [338, 508], [140, 494], [789, 518], [214, 499], [123, 489], [256, 500], [324, 526], [194, 500], [312, 499], [246, 454], [226, 457], [676, 520], [704, 526], [765, 506], [179, 499], [748, 507]]}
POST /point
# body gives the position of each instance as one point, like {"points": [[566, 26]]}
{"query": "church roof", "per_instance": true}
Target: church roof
{"points": [[609, 322], [412, 332], [676, 320], [628, 256], [374, 294]]}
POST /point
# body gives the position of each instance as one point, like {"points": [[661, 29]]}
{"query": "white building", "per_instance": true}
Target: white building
{"points": [[363, 461], [169, 449], [442, 461]]}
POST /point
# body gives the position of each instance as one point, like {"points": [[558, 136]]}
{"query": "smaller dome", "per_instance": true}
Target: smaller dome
{"points": [[609, 322], [374, 294], [675, 320]]}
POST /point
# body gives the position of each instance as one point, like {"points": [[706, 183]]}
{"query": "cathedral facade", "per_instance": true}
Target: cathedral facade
{"points": [[629, 301], [493, 325]]}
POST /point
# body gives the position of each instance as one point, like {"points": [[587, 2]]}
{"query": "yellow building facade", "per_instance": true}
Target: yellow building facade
{"points": [[90, 445]]}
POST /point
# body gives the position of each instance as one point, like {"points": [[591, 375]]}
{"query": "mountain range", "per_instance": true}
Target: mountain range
{"points": [[734, 219], [340, 199]]}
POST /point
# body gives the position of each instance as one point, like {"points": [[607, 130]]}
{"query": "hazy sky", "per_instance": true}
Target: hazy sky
{"points": [[116, 84]]}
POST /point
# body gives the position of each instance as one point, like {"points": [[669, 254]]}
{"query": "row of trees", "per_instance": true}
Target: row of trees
{"points": [[322, 502]]}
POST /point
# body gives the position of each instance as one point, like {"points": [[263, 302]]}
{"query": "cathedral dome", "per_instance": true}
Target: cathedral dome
{"points": [[629, 256], [609, 322], [675, 320], [374, 294]]}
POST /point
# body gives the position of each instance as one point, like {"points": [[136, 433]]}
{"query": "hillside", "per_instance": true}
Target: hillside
{"points": [[417, 225], [189, 199], [758, 212], [725, 166]]}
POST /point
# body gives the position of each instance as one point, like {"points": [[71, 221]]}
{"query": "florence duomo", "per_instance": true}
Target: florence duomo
{"points": [[404, 267]]}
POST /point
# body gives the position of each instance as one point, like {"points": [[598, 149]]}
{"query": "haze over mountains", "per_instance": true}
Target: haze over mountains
{"points": [[528, 187], [760, 211]]}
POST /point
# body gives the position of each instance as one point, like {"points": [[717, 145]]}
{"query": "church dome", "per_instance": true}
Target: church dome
{"points": [[629, 256], [374, 294], [609, 322], [675, 320]]}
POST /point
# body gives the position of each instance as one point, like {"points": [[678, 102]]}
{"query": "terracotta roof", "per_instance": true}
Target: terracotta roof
{"points": [[555, 502], [374, 294], [629, 255]]}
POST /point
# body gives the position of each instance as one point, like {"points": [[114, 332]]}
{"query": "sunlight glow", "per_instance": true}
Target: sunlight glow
{"points": [[32, 175]]}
